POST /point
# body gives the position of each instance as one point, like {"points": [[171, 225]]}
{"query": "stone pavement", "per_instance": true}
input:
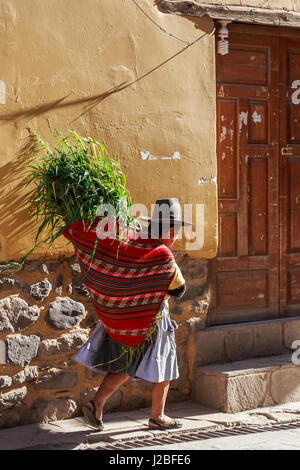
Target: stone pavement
{"points": [[74, 434]]}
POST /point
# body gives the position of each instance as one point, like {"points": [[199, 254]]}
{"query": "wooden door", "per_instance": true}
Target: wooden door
{"points": [[245, 275], [256, 274]]}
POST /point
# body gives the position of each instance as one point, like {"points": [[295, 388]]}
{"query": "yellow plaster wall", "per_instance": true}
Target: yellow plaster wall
{"points": [[60, 58]]}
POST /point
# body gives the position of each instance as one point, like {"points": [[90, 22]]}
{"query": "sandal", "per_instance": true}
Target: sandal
{"points": [[91, 416], [174, 423]]}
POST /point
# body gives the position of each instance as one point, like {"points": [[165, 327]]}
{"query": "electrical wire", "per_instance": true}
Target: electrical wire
{"points": [[173, 35], [160, 27]]}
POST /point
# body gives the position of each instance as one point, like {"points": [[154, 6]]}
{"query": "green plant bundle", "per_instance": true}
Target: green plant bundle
{"points": [[72, 181]]}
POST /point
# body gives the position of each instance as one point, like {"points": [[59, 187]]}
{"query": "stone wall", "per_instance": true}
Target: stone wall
{"points": [[46, 315]]}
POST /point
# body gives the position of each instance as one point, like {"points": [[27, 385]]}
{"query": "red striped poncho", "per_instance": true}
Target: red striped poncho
{"points": [[127, 282]]}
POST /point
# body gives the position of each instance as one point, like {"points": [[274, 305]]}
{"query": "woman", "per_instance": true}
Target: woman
{"points": [[156, 362]]}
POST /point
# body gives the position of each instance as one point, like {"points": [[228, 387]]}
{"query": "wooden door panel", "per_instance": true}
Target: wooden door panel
{"points": [[245, 284], [253, 285], [228, 183], [245, 65], [289, 163]]}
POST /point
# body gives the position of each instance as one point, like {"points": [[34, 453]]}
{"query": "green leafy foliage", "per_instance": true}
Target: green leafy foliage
{"points": [[72, 181]]}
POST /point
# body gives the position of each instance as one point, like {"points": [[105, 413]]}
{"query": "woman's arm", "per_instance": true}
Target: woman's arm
{"points": [[177, 287]]}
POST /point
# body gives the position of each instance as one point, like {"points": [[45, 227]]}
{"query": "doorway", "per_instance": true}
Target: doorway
{"points": [[256, 274]]}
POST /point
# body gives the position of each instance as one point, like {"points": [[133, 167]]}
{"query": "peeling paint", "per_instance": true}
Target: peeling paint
{"points": [[243, 118], [2, 92], [231, 133], [223, 134], [146, 156], [205, 180], [256, 117]]}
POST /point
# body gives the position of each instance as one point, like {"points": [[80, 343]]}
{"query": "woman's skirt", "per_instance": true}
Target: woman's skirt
{"points": [[155, 362]]}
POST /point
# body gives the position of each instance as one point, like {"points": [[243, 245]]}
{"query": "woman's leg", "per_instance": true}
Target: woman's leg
{"points": [[159, 396], [109, 385]]}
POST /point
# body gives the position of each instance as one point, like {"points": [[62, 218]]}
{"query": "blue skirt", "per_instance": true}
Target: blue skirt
{"points": [[157, 361]]}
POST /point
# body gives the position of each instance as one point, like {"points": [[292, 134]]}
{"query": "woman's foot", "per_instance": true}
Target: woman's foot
{"points": [[90, 412], [98, 413], [164, 422]]}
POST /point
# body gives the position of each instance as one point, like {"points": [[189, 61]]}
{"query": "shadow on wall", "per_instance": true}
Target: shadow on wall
{"points": [[14, 205], [15, 222]]}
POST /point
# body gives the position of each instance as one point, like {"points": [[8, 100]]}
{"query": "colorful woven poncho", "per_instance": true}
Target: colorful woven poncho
{"points": [[127, 281]]}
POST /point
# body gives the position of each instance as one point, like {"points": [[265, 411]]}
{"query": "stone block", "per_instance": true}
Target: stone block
{"points": [[2, 352], [94, 374], [29, 373], [285, 384], [9, 283], [10, 267], [57, 379], [238, 343], [59, 284], [196, 324], [65, 314], [192, 269], [5, 381], [40, 290], [12, 398], [16, 314], [248, 384], [195, 290], [175, 309], [209, 389], [209, 346], [245, 392], [52, 265], [291, 331], [268, 338], [80, 288], [22, 349], [37, 266], [75, 267], [44, 411], [200, 307], [67, 343]]}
